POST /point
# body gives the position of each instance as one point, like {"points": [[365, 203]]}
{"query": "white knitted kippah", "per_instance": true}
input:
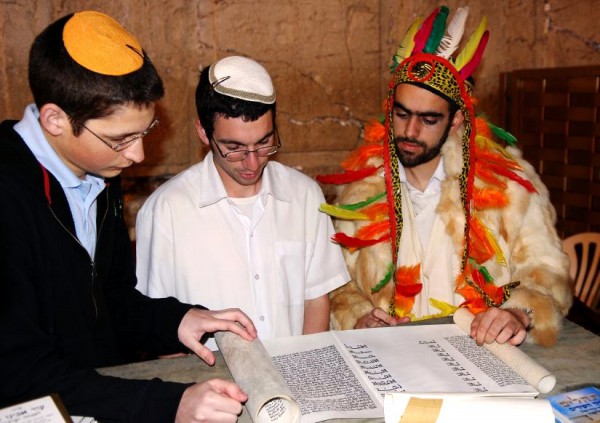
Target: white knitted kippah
{"points": [[242, 78]]}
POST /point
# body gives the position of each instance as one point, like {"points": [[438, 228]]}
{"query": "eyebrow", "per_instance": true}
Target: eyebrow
{"points": [[426, 113], [237, 143]]}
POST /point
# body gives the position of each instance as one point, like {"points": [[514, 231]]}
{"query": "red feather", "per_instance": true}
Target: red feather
{"points": [[353, 243], [513, 176], [496, 158], [488, 176], [423, 33], [346, 177], [409, 290], [468, 68]]}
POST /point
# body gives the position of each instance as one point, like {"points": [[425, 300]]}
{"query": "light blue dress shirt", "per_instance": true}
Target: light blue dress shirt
{"points": [[81, 193]]}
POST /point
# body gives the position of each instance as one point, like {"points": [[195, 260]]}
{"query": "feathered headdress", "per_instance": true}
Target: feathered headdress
{"points": [[425, 58]]}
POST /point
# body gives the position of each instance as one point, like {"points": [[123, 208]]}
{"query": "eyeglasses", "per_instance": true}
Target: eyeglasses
{"points": [[239, 155], [128, 140]]}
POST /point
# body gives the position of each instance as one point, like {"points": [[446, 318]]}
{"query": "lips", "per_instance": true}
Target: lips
{"points": [[409, 147], [249, 176]]}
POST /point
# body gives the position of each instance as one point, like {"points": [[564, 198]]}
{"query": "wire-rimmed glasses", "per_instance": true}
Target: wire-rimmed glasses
{"points": [[128, 140], [239, 155]]}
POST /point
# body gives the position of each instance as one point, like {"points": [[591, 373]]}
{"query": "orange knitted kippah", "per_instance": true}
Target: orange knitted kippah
{"points": [[99, 43]]}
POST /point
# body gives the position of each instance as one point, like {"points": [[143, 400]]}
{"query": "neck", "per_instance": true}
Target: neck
{"points": [[242, 191], [419, 176]]}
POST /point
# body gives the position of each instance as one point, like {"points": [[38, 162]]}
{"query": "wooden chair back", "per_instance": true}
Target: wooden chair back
{"points": [[583, 250]]}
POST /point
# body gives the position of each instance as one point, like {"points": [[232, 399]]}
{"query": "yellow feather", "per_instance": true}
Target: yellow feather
{"points": [[469, 50], [492, 240], [487, 144], [445, 310], [341, 213], [408, 42]]}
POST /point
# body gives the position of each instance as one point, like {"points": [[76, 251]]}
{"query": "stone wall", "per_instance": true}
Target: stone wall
{"points": [[329, 59]]}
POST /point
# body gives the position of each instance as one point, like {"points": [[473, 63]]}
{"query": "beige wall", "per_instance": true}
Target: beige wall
{"points": [[329, 59]]}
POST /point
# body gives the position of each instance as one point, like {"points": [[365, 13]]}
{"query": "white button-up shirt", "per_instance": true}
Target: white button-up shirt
{"points": [[195, 244]]}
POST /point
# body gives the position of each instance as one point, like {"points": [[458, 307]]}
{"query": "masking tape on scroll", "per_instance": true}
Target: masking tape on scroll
{"points": [[269, 398], [537, 376]]}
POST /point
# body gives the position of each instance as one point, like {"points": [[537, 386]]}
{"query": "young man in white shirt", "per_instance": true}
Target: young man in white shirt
{"points": [[238, 229]]}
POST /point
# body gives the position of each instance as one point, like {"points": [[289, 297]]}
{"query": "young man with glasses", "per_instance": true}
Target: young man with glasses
{"points": [[238, 229], [68, 302]]}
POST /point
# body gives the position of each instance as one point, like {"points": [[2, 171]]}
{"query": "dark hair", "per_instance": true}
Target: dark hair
{"points": [[54, 77], [210, 105]]}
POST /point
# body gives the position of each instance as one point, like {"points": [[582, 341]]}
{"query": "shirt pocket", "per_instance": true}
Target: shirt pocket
{"points": [[292, 257]]}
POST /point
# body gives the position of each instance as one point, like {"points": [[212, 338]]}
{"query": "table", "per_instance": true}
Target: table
{"points": [[574, 360]]}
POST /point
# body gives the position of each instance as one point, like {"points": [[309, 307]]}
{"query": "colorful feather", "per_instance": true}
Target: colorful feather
{"points": [[488, 198], [454, 33], [479, 247], [346, 177], [503, 134], [484, 143], [469, 49], [374, 131], [423, 34], [492, 240], [341, 213], [497, 159], [488, 176], [385, 280], [373, 230], [470, 67], [407, 287], [361, 204], [437, 31], [377, 211], [406, 45], [361, 155], [354, 244], [513, 176]]}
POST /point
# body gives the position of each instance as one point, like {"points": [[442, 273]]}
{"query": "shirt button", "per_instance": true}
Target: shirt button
{"points": [[256, 276], [262, 318]]}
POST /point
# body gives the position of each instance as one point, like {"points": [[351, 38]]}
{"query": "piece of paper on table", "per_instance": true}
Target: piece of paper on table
{"points": [[464, 408]]}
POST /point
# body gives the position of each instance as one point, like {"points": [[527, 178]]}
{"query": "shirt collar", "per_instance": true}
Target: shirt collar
{"points": [[30, 130], [214, 191]]}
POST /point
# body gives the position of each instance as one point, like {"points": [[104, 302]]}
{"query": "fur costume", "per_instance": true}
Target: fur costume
{"points": [[494, 207]]}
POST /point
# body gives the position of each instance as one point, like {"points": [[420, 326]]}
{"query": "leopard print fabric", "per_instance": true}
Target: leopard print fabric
{"points": [[438, 76]]}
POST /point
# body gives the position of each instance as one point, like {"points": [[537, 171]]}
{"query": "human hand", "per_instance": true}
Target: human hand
{"points": [[378, 318], [215, 400], [197, 322], [500, 325]]}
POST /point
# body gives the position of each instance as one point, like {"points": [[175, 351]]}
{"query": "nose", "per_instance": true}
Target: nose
{"points": [[412, 128], [252, 161], [135, 152]]}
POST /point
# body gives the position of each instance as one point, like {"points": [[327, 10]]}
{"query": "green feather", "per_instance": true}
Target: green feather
{"points": [[383, 282], [437, 31], [486, 274], [503, 134], [360, 205]]}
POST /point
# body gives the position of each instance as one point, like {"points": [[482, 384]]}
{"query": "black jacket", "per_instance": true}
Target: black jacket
{"points": [[62, 313]]}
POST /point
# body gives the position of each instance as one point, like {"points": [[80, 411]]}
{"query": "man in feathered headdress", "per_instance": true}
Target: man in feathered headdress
{"points": [[436, 214]]}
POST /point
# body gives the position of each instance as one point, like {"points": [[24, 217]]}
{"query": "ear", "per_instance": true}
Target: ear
{"points": [[54, 120], [201, 132], [457, 120]]}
